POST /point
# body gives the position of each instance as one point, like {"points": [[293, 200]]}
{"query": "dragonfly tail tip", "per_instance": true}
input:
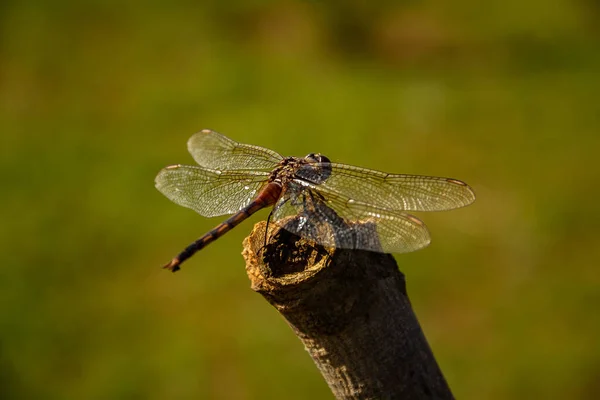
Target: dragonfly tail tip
{"points": [[172, 265]]}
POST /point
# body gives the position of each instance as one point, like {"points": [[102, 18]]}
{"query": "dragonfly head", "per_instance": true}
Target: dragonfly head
{"points": [[322, 170]]}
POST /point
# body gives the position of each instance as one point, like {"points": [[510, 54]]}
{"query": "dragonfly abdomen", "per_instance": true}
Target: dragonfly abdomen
{"points": [[268, 196]]}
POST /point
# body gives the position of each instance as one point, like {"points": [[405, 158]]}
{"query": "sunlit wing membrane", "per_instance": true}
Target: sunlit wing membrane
{"points": [[392, 192], [209, 192], [215, 151], [339, 223]]}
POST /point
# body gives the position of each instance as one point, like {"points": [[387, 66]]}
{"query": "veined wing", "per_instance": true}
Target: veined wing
{"points": [[334, 221], [215, 151], [388, 191], [207, 191]]}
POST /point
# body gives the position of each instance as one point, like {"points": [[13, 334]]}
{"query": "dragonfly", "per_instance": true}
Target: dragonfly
{"points": [[364, 209]]}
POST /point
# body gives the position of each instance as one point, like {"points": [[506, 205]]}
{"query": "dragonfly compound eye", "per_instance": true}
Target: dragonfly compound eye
{"points": [[318, 168]]}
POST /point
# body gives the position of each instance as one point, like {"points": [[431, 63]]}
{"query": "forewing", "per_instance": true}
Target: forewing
{"points": [[215, 151], [388, 191], [209, 192], [335, 222]]}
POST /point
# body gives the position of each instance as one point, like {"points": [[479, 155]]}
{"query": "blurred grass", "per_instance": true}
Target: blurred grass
{"points": [[96, 97]]}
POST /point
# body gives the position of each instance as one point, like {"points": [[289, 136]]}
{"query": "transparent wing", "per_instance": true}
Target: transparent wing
{"points": [[215, 151], [388, 191], [209, 192], [337, 222]]}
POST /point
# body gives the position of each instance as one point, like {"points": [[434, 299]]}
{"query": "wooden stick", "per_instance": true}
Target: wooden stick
{"points": [[351, 311]]}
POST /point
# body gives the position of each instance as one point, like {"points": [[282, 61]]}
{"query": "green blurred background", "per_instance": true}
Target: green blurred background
{"points": [[97, 96]]}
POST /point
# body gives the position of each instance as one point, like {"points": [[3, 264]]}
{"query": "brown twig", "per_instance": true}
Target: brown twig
{"points": [[351, 311]]}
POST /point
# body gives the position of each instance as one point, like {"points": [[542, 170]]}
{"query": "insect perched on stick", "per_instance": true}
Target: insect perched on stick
{"points": [[240, 179]]}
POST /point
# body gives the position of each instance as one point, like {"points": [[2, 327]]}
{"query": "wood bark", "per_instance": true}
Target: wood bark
{"points": [[351, 311]]}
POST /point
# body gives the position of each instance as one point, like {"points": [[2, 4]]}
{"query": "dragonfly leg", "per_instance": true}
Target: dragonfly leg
{"points": [[267, 226], [276, 207]]}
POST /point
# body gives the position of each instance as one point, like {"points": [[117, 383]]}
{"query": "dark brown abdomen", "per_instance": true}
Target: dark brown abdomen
{"points": [[267, 197]]}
